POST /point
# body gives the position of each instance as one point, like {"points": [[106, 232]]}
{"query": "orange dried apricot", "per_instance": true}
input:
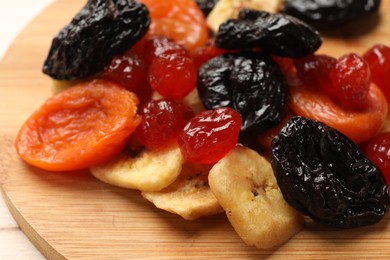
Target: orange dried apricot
{"points": [[79, 127], [179, 20], [359, 125]]}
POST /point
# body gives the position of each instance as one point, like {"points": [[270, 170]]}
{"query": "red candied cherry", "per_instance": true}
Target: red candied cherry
{"points": [[173, 77], [162, 121], [161, 45], [206, 52], [129, 71], [286, 64], [378, 151], [378, 58], [351, 78], [210, 135], [314, 70]]}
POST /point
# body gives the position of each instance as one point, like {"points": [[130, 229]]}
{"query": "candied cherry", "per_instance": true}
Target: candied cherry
{"points": [[378, 151], [130, 71], [206, 52], [210, 135], [162, 121], [173, 77], [161, 45], [351, 79], [378, 58], [286, 64], [314, 70]]}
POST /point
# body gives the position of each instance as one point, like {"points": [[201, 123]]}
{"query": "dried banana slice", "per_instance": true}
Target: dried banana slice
{"points": [[246, 188], [147, 171], [189, 196], [226, 9]]}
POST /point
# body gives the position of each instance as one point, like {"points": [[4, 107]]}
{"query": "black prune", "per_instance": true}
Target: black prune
{"points": [[206, 5], [277, 34], [249, 82], [101, 29], [322, 14], [325, 176]]}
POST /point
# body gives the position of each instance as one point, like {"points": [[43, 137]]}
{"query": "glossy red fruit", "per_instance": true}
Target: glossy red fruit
{"points": [[286, 64], [314, 71], [378, 58], [351, 79], [210, 135], [206, 52], [162, 121], [130, 71], [378, 151], [161, 45], [173, 77]]}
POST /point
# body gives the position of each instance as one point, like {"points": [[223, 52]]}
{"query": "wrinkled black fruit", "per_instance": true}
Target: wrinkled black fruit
{"points": [[277, 34], [325, 176], [102, 29], [249, 82], [322, 14], [206, 5]]}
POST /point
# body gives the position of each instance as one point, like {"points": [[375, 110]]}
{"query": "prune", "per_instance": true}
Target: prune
{"points": [[329, 13], [325, 176], [206, 5], [249, 82], [101, 29], [278, 34]]}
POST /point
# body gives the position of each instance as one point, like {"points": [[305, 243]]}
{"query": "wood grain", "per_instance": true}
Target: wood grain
{"points": [[74, 216]]}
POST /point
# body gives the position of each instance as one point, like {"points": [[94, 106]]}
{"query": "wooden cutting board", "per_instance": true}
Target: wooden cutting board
{"points": [[72, 215]]}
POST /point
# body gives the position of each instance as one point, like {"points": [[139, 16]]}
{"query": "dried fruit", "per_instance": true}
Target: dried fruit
{"points": [[251, 83], [161, 45], [314, 71], [180, 20], [172, 76], [210, 135], [359, 125], [148, 170], [162, 121], [325, 176], [102, 29], [130, 71], [245, 186], [378, 151], [189, 196], [378, 58], [84, 125], [276, 34], [351, 79], [329, 13], [228, 9], [206, 52]]}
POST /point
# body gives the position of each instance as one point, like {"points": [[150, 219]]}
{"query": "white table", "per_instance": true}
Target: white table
{"points": [[14, 16]]}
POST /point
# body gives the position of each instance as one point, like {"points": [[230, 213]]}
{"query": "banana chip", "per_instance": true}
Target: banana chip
{"points": [[147, 171], [246, 188], [227, 9], [189, 196]]}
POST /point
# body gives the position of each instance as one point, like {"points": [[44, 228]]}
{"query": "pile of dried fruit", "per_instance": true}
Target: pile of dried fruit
{"points": [[166, 108]]}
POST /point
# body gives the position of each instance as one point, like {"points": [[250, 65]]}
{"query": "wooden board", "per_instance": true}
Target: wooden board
{"points": [[72, 215]]}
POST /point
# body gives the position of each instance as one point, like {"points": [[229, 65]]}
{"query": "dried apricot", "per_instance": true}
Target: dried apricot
{"points": [[79, 127], [359, 125], [180, 20]]}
